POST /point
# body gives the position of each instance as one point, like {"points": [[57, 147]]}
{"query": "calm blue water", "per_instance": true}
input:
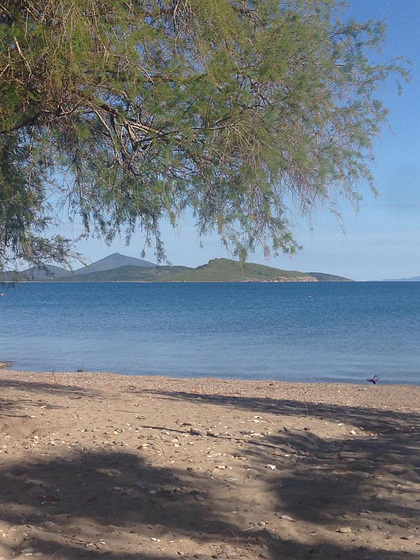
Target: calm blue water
{"points": [[306, 332]]}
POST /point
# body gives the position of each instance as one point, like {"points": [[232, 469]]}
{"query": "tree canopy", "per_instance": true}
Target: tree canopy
{"points": [[125, 112]]}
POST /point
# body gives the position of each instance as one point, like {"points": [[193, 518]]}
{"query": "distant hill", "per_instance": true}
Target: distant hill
{"points": [[34, 274], [127, 274], [323, 277], [119, 268], [414, 279], [226, 270], [116, 260]]}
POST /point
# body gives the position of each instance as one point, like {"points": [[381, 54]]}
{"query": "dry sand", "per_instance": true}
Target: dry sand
{"points": [[100, 466]]}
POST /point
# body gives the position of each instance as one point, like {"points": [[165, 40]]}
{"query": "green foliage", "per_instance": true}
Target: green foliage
{"points": [[135, 110]]}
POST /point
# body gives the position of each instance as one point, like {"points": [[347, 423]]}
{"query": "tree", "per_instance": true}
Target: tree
{"points": [[128, 111]]}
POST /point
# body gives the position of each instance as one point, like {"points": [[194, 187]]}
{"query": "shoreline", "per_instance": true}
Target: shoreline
{"points": [[321, 391], [112, 467], [8, 365], [13, 282]]}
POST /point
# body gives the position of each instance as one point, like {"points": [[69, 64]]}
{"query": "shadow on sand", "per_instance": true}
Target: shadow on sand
{"points": [[372, 419], [105, 505], [71, 391]]}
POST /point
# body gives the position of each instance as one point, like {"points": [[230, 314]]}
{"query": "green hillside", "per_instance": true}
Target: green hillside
{"points": [[226, 270], [49, 273], [127, 274], [216, 270], [323, 277]]}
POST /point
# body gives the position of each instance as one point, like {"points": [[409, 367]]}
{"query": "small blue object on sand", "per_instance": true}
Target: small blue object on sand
{"points": [[375, 379]]}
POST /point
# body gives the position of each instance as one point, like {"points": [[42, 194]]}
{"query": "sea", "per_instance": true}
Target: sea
{"points": [[309, 332]]}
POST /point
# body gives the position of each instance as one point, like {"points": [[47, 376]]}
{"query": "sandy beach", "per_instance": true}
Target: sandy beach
{"points": [[100, 466]]}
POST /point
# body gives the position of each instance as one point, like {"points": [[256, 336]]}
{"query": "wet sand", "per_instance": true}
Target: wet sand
{"points": [[100, 466]]}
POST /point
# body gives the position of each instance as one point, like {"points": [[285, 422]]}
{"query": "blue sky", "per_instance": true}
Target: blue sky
{"points": [[382, 240]]}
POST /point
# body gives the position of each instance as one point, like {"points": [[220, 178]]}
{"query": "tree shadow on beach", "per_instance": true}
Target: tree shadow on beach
{"points": [[17, 407], [102, 505], [372, 419], [370, 480], [71, 391], [13, 409], [97, 504], [7, 407], [83, 498], [353, 480]]}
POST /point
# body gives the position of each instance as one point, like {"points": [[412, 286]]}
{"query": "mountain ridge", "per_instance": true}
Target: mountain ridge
{"points": [[115, 260], [33, 274], [138, 270], [413, 279], [126, 274]]}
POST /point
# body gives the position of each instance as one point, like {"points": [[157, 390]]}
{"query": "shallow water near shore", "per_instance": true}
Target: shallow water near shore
{"points": [[298, 332]]}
